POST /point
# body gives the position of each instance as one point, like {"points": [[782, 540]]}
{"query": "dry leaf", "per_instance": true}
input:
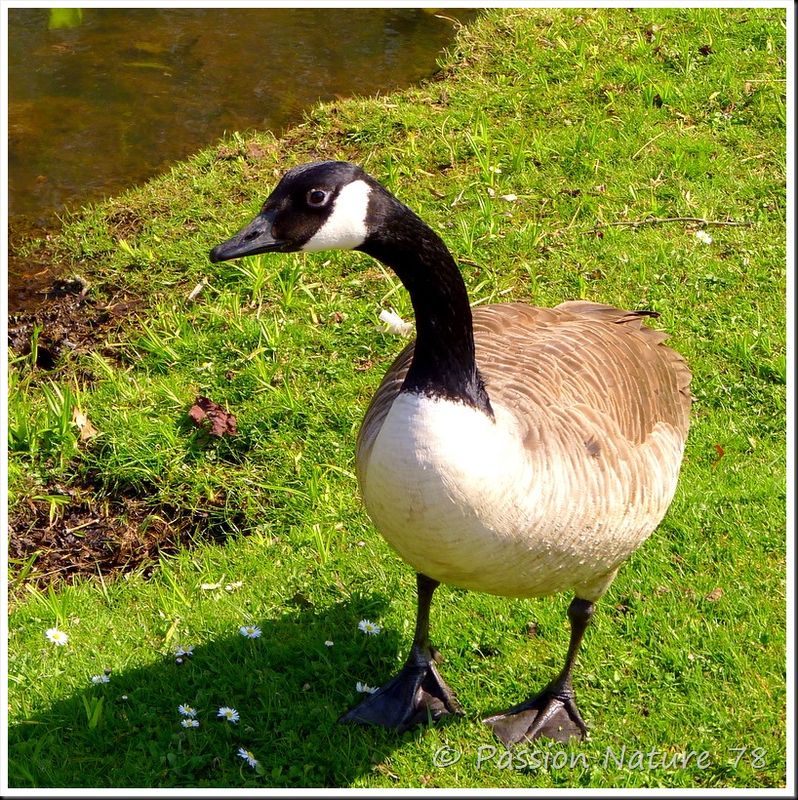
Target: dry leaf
{"points": [[714, 595], [210, 416], [86, 429]]}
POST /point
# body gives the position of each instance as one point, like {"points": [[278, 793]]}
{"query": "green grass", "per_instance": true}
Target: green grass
{"points": [[588, 118]]}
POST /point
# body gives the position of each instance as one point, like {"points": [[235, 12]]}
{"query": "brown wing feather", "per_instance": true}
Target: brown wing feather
{"points": [[599, 358]]}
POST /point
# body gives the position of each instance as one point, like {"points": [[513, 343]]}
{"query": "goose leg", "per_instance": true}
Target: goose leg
{"points": [[553, 712], [417, 694]]}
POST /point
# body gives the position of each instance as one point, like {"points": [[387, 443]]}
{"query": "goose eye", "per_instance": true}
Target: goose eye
{"points": [[317, 198]]}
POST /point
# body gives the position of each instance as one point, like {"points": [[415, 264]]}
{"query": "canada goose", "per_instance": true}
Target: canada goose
{"points": [[514, 450]]}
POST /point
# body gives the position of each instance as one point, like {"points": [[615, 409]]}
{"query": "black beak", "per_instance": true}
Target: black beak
{"points": [[250, 240]]}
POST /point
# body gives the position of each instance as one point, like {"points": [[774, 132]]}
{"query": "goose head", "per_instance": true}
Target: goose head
{"points": [[327, 205]]}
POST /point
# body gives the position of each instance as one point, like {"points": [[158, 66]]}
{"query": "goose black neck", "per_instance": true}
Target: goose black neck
{"points": [[444, 363]]}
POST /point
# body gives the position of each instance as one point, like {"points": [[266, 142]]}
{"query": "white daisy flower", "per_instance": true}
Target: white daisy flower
{"points": [[190, 723], [187, 711], [248, 756], [230, 714], [328, 643], [56, 636], [181, 651], [101, 678], [365, 688], [368, 627], [250, 631], [703, 236]]}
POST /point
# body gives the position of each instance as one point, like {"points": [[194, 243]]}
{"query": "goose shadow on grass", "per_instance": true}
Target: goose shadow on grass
{"points": [[288, 686]]}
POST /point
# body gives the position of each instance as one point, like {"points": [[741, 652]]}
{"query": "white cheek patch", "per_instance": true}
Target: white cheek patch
{"points": [[345, 228]]}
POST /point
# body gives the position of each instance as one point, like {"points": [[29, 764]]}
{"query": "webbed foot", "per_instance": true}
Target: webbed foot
{"points": [[415, 695], [550, 714]]}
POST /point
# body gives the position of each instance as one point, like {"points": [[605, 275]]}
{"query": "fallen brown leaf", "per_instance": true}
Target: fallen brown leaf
{"points": [[85, 428], [714, 595], [212, 417]]}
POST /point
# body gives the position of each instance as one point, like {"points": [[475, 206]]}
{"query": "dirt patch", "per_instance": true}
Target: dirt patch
{"points": [[68, 320], [86, 536], [124, 223], [76, 533]]}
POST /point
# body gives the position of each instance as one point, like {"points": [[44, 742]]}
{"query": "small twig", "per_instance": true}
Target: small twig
{"points": [[573, 218], [636, 223], [82, 525], [197, 290], [455, 22]]}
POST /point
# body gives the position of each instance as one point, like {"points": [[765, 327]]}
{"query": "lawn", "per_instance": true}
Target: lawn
{"points": [[629, 156]]}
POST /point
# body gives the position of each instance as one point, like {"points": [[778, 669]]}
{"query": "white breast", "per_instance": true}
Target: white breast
{"points": [[463, 500]]}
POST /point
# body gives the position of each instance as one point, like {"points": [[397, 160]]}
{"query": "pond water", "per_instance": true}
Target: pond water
{"points": [[100, 99]]}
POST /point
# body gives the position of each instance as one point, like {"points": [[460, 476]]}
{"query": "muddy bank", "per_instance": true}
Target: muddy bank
{"points": [[63, 531], [67, 319]]}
